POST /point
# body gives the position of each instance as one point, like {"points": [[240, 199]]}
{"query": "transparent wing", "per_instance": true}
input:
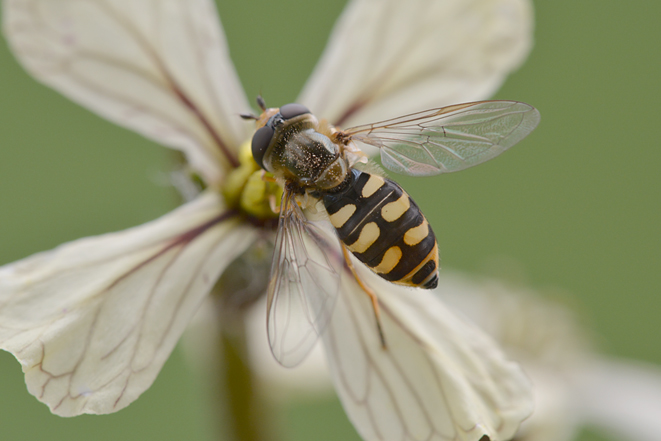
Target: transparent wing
{"points": [[448, 139], [159, 67], [439, 378], [391, 57], [305, 279], [93, 321]]}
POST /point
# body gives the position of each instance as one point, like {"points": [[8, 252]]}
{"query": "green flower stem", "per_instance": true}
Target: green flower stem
{"points": [[246, 417], [246, 410]]}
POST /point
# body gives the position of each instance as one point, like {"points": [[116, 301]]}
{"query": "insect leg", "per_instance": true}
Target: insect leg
{"points": [[273, 204], [267, 177], [369, 292]]}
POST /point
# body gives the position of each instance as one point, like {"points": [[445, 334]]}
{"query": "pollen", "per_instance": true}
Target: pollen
{"points": [[247, 189]]}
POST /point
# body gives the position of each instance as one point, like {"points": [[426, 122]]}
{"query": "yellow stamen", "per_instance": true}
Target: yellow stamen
{"points": [[249, 188]]}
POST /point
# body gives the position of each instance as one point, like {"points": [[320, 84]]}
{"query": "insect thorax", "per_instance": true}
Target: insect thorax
{"points": [[301, 154]]}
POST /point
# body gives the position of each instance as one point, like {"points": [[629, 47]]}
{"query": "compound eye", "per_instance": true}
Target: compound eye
{"points": [[260, 142], [289, 111]]}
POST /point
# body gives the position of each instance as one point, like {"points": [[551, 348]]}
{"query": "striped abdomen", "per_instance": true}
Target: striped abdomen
{"points": [[385, 229]]}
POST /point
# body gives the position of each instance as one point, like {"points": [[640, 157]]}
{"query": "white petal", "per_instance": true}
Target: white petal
{"points": [[439, 378], [621, 398], [387, 58], [310, 378], [93, 321], [543, 336], [307, 381], [573, 387], [555, 417], [527, 326], [160, 67]]}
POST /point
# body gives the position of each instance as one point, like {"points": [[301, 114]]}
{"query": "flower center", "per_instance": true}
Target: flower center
{"points": [[246, 190]]}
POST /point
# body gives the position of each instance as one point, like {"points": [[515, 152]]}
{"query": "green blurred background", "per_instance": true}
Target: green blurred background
{"points": [[576, 207]]}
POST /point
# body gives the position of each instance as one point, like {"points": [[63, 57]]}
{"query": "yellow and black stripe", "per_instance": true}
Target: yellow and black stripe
{"points": [[384, 228]]}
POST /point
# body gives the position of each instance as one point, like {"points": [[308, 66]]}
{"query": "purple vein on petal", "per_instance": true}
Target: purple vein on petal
{"points": [[182, 239], [176, 88]]}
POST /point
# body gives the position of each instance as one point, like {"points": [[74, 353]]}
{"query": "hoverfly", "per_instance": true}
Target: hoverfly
{"points": [[373, 217]]}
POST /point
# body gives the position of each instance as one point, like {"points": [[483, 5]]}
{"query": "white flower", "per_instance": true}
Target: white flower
{"points": [[93, 321], [573, 385]]}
